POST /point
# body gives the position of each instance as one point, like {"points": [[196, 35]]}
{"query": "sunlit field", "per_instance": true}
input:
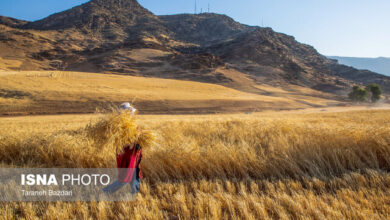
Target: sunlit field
{"points": [[243, 166], [60, 92]]}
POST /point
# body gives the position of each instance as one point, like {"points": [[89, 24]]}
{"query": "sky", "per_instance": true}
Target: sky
{"points": [[357, 28]]}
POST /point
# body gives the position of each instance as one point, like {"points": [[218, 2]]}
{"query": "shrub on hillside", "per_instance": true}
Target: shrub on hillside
{"points": [[374, 91], [357, 94]]}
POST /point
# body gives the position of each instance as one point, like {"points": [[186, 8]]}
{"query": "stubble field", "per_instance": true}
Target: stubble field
{"points": [[258, 166], [61, 92]]}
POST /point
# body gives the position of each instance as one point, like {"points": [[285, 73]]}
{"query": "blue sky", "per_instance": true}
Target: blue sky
{"points": [[334, 27]]}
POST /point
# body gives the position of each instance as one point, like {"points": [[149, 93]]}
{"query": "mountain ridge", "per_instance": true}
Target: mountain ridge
{"points": [[121, 36], [379, 64]]}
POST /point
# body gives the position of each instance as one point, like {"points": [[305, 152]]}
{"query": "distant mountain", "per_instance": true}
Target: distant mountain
{"points": [[120, 36], [379, 65]]}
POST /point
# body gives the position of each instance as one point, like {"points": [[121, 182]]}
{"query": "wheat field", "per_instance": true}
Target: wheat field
{"points": [[243, 166]]}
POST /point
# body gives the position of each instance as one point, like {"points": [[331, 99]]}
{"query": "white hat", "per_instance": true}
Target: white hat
{"points": [[127, 106]]}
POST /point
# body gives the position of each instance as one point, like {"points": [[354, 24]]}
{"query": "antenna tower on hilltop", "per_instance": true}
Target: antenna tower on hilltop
{"points": [[195, 8]]}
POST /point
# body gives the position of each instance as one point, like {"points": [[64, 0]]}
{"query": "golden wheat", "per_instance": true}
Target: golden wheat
{"points": [[116, 130], [261, 166]]}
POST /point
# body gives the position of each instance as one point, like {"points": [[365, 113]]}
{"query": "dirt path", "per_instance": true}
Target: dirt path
{"points": [[341, 109]]}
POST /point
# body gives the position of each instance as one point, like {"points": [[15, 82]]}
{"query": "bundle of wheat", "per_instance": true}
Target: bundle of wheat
{"points": [[117, 129]]}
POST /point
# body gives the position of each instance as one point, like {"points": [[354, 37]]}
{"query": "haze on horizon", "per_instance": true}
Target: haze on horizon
{"points": [[353, 28]]}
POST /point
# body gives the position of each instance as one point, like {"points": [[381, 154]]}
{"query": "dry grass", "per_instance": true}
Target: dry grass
{"points": [[76, 85], [261, 166], [9, 64], [53, 92]]}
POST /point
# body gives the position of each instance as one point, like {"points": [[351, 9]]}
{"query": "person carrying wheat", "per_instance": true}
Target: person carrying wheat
{"points": [[128, 162]]}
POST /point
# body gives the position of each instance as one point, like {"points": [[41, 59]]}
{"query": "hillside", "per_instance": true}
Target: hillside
{"points": [[55, 92], [379, 65], [120, 36]]}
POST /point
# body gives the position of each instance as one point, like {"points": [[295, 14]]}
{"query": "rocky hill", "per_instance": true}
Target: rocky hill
{"points": [[120, 36]]}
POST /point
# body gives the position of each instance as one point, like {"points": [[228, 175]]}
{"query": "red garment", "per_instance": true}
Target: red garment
{"points": [[128, 162]]}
